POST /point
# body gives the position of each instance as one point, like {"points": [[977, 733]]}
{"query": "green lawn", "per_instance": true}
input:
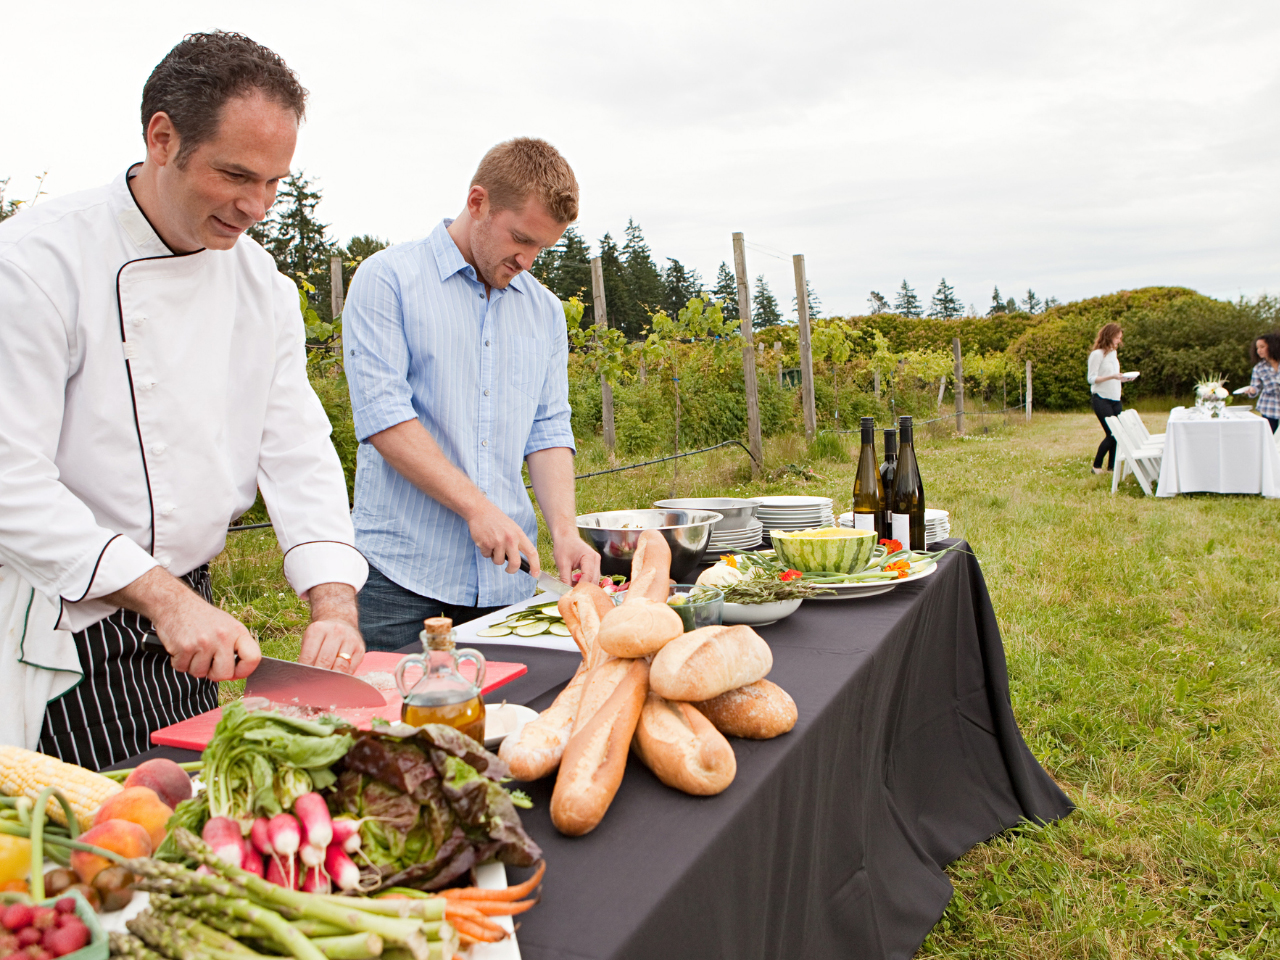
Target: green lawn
{"points": [[1142, 647]]}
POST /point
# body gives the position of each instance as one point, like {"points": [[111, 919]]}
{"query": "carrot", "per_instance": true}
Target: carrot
{"points": [[518, 892], [468, 928], [492, 908]]}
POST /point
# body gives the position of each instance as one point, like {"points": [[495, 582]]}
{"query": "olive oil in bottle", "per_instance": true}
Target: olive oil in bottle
{"points": [[443, 695], [888, 469], [868, 493], [908, 493]]}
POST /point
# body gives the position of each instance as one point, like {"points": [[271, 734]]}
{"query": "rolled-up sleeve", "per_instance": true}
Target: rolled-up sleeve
{"points": [[47, 534], [552, 421], [299, 473], [376, 352]]}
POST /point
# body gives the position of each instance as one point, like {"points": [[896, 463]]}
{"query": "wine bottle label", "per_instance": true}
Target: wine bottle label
{"points": [[864, 521], [902, 529]]}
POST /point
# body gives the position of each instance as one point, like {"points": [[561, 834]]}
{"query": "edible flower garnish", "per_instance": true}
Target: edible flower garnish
{"points": [[893, 546], [729, 560], [789, 575], [900, 567]]}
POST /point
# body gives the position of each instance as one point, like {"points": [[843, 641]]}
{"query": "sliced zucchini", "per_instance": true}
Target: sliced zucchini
{"points": [[559, 629], [497, 630], [531, 629]]}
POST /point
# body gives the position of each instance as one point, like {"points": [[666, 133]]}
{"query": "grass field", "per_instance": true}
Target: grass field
{"points": [[1142, 640]]}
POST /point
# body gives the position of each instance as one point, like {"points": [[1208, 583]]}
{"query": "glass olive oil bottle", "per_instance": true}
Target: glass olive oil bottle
{"points": [[908, 492], [868, 492]]}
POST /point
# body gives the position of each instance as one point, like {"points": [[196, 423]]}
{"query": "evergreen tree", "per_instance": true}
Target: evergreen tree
{"points": [[906, 304], [1031, 303], [644, 280], [620, 312], [565, 269], [1050, 302], [358, 250], [680, 285], [997, 303], [878, 303], [815, 305], [1011, 305], [298, 241], [945, 305], [9, 207], [764, 306], [726, 291]]}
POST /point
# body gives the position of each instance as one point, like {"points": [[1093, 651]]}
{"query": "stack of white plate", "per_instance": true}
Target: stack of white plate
{"points": [[794, 513], [937, 524], [743, 539]]}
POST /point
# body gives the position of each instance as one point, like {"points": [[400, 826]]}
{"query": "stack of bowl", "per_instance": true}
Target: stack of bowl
{"points": [[737, 530]]}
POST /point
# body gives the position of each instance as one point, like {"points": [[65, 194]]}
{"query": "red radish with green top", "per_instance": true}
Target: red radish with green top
{"points": [[251, 859], [341, 868], [283, 872], [317, 881], [346, 833], [258, 837], [284, 835], [223, 835]]}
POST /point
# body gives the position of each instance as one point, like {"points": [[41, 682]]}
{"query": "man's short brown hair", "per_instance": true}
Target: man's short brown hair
{"points": [[516, 170]]}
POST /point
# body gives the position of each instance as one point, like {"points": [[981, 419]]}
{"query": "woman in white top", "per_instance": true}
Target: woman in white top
{"points": [[1104, 384]]}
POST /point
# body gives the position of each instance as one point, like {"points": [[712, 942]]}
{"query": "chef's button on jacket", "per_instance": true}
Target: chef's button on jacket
{"points": [[145, 396]]}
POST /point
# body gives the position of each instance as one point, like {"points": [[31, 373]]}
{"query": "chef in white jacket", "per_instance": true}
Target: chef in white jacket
{"points": [[152, 378]]}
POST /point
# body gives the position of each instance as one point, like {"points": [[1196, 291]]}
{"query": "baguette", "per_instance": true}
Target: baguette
{"points": [[650, 569], [709, 661], [582, 609], [602, 680], [682, 748], [596, 757], [536, 750], [758, 711], [638, 628]]}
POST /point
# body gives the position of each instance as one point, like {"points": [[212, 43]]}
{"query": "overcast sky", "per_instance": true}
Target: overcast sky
{"points": [[1073, 147]]}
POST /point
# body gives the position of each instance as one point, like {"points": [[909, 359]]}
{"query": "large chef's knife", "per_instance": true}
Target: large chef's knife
{"points": [[546, 581], [282, 681]]}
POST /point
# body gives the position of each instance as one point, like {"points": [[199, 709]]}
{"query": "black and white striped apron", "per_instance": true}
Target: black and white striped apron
{"points": [[128, 691]]}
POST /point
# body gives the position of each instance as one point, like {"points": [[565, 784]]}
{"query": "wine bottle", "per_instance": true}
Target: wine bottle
{"points": [[867, 489], [908, 492], [887, 472]]}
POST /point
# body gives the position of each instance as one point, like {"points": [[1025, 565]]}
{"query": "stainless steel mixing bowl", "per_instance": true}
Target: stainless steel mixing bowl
{"points": [[615, 533], [737, 513]]}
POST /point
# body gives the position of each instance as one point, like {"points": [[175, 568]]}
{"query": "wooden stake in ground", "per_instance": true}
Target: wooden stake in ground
{"points": [[335, 281], [959, 380], [1028, 391], [806, 349], [599, 309], [777, 348], [748, 356]]}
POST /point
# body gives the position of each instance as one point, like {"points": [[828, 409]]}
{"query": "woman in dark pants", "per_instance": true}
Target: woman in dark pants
{"points": [[1104, 384]]}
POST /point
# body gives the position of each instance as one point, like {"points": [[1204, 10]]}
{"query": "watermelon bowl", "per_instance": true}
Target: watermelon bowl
{"points": [[825, 549]]}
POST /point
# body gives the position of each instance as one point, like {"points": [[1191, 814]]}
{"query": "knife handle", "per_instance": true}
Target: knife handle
{"points": [[524, 564]]}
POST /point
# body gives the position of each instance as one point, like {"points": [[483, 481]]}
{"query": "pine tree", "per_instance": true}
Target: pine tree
{"points": [[298, 241], [1050, 302], [644, 280], [1011, 305], [726, 291], [1031, 303], [764, 306], [680, 284], [358, 250], [906, 304], [620, 313], [878, 303], [815, 305], [997, 303], [565, 269], [945, 305]]}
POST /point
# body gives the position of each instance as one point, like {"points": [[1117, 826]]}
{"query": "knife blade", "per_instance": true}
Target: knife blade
{"points": [[548, 583], [283, 681]]}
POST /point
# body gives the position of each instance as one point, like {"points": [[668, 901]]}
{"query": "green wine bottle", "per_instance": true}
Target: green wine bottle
{"points": [[868, 492]]}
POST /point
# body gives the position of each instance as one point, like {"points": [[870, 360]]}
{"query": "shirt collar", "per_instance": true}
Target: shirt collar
{"points": [[449, 259]]}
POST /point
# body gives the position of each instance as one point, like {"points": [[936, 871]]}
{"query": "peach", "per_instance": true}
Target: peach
{"points": [[170, 782], [119, 836], [138, 805]]}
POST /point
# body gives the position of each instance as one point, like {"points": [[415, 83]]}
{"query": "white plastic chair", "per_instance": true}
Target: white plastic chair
{"points": [[1139, 429], [1142, 459]]}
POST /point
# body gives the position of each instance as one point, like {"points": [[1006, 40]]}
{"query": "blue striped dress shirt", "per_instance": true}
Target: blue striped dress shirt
{"points": [[487, 378]]}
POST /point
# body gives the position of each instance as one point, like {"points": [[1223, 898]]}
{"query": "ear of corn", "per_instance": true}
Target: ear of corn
{"points": [[24, 773]]}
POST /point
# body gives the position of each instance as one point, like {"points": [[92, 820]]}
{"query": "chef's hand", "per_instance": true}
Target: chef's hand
{"points": [[333, 640], [201, 639], [572, 553], [500, 538]]}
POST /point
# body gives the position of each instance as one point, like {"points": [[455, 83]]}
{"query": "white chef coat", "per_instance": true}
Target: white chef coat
{"points": [[144, 397]]}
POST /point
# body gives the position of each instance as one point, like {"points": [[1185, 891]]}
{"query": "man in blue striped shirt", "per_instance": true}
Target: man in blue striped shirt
{"points": [[456, 360]]}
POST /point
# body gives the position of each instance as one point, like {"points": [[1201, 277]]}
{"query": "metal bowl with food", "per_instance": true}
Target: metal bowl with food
{"points": [[615, 533], [737, 513]]}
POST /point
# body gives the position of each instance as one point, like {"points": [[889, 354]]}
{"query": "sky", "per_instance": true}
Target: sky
{"points": [[1074, 148]]}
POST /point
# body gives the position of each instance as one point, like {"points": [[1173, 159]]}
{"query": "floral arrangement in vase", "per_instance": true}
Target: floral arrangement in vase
{"points": [[1212, 395]]}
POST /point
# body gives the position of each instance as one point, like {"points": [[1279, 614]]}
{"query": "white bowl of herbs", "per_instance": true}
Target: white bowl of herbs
{"points": [[754, 592]]}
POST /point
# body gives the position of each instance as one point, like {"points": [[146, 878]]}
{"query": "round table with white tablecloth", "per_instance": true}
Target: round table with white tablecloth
{"points": [[1234, 453]]}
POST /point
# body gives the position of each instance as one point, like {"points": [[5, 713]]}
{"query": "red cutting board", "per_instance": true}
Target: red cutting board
{"points": [[195, 733]]}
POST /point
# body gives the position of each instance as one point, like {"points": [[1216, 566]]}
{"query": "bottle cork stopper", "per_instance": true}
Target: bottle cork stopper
{"points": [[438, 633]]}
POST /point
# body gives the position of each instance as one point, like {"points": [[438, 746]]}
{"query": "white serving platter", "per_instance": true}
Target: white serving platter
{"points": [[851, 591]]}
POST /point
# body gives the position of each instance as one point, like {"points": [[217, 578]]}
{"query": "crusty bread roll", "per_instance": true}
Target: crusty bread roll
{"points": [[536, 750], [650, 569], [602, 680], [706, 662], [758, 711], [682, 748], [582, 609], [638, 628], [596, 757]]}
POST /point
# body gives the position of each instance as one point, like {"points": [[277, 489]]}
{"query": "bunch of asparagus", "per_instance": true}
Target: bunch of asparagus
{"points": [[226, 913]]}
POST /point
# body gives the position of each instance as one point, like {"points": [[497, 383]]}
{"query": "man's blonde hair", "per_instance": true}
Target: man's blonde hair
{"points": [[516, 170]]}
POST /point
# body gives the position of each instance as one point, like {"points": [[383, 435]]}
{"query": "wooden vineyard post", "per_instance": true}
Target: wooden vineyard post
{"points": [[601, 317], [336, 298], [748, 356], [777, 348], [959, 379], [877, 384], [806, 348], [1028, 391]]}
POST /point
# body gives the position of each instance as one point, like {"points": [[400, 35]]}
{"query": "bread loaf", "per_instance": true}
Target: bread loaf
{"points": [[535, 751], [596, 757], [638, 628], [602, 680], [709, 661], [682, 748], [650, 568], [582, 609], [758, 711]]}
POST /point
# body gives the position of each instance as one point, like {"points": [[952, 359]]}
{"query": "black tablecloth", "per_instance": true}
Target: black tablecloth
{"points": [[831, 840]]}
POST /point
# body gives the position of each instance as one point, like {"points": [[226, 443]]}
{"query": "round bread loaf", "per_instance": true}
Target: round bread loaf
{"points": [[758, 711], [682, 748], [638, 628], [709, 661]]}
